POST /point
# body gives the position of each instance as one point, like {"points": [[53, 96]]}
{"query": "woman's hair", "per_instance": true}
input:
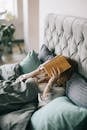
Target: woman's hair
{"points": [[65, 76]]}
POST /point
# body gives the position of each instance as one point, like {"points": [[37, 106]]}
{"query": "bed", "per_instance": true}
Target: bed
{"points": [[64, 35]]}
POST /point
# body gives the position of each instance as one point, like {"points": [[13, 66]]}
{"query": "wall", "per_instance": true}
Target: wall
{"points": [[26, 22], [19, 21], [34, 24], [31, 23], [69, 7]]}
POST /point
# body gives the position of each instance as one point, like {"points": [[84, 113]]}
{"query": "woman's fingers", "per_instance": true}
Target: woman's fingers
{"points": [[58, 70], [20, 78], [55, 72]]}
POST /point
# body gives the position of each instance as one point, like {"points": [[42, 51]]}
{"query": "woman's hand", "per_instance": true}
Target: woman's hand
{"points": [[55, 75], [21, 78]]}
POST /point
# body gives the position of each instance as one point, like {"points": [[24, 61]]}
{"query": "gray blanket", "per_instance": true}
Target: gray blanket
{"points": [[17, 103]]}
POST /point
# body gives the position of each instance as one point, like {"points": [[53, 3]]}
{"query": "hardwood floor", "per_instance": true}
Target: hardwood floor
{"points": [[18, 54]]}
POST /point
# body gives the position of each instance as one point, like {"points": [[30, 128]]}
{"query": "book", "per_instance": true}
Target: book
{"points": [[59, 62]]}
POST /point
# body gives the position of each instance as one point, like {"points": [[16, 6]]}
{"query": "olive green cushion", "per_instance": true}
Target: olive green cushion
{"points": [[30, 62]]}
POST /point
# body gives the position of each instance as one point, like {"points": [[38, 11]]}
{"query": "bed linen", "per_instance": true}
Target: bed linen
{"points": [[18, 100], [19, 119]]}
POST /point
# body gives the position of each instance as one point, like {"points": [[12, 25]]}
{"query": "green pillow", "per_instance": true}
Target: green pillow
{"points": [[60, 114], [30, 62]]}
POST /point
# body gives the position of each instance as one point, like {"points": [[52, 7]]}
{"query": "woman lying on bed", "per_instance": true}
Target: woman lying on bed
{"points": [[53, 86], [14, 95]]}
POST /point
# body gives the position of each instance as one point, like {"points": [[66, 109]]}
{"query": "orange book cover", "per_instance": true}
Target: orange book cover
{"points": [[57, 62]]}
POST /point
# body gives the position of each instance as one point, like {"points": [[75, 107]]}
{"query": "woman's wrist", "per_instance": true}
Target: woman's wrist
{"points": [[24, 76]]}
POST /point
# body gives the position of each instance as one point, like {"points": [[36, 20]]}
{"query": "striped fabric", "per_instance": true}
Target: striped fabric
{"points": [[76, 90]]}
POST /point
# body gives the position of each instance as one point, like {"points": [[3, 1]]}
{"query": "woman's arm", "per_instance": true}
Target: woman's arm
{"points": [[39, 70], [28, 75]]}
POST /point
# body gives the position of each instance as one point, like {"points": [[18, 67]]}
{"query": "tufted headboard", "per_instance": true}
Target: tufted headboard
{"points": [[67, 35]]}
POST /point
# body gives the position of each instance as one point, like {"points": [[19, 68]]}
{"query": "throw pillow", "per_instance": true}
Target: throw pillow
{"points": [[45, 54], [76, 90], [30, 62], [59, 114]]}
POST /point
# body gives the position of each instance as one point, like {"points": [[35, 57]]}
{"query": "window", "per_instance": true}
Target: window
{"points": [[8, 6]]}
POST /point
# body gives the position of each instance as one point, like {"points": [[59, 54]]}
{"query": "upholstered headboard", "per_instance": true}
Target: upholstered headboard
{"points": [[67, 35]]}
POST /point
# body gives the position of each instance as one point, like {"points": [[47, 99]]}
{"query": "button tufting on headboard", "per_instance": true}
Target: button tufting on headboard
{"points": [[67, 35]]}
